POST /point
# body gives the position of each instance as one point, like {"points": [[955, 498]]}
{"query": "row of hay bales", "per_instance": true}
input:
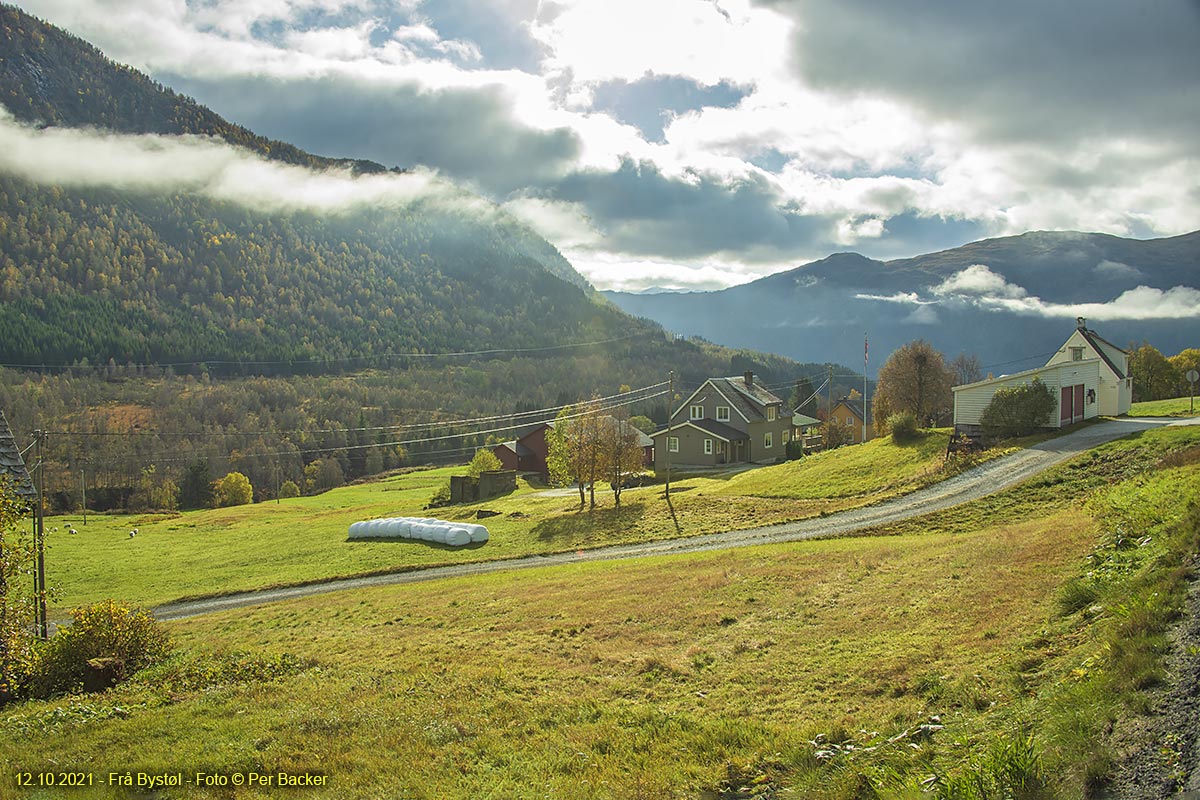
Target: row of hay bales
{"points": [[426, 529]]}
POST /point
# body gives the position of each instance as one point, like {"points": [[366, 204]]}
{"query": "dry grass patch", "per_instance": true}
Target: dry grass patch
{"points": [[619, 679]]}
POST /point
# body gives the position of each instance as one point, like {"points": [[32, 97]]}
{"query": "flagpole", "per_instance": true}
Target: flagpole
{"points": [[866, 405]]}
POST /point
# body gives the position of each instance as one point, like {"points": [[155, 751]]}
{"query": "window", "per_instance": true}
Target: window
{"points": [[1077, 354], [696, 412], [849, 420], [770, 413], [768, 440], [784, 437], [708, 447], [722, 413], [672, 444]]}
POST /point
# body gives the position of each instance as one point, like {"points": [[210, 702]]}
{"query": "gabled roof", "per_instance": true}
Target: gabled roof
{"points": [[755, 392], [11, 463], [856, 408], [1095, 340], [710, 426]]}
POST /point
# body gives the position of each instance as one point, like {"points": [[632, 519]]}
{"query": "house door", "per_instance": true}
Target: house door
{"points": [[1065, 411]]}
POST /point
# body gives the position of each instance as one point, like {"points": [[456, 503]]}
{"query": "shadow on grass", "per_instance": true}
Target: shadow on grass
{"points": [[404, 540], [599, 522]]}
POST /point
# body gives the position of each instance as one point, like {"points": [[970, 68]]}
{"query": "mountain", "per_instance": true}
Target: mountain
{"points": [[1008, 300], [161, 272]]}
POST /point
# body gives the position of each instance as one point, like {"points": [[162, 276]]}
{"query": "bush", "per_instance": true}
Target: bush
{"points": [[903, 426], [107, 637], [484, 461], [288, 489], [1018, 410], [233, 490]]}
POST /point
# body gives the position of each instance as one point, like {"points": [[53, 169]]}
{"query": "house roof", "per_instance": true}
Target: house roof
{"points": [[856, 408], [710, 426], [11, 463], [1095, 340], [803, 420], [751, 401], [1029, 373], [516, 447]]}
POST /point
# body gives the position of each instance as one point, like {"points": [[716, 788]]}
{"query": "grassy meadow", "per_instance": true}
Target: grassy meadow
{"points": [[1000, 639], [217, 551], [1177, 407]]}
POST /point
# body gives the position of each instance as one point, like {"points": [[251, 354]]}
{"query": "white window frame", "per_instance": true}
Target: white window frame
{"points": [[672, 444], [785, 436], [768, 440], [696, 412], [770, 413], [708, 447], [722, 413], [1077, 354]]}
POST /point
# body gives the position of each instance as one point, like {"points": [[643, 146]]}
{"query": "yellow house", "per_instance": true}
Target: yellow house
{"points": [[848, 414]]}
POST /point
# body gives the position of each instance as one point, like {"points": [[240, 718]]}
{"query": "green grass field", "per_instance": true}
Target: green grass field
{"points": [[200, 553], [804, 669], [1178, 407]]}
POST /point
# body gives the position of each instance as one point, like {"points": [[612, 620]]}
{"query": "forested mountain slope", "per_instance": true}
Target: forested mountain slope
{"points": [[161, 274]]}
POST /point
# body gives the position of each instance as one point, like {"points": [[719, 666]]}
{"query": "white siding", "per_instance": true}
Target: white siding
{"points": [[970, 400]]}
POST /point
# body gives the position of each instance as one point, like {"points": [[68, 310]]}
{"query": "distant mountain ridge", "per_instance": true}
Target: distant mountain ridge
{"points": [[1005, 299]]}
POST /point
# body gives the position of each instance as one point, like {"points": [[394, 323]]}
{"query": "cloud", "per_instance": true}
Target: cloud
{"points": [[738, 134], [977, 285], [1116, 270], [208, 167], [979, 281]]}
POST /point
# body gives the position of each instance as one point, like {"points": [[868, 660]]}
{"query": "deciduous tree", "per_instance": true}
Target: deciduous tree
{"points": [[914, 378]]}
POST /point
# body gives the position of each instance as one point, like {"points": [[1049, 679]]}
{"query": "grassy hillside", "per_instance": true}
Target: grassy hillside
{"points": [[302, 539], [980, 653]]}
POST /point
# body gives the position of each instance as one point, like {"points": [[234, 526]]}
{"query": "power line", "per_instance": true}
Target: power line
{"points": [[371, 429], [338, 360], [162, 459]]}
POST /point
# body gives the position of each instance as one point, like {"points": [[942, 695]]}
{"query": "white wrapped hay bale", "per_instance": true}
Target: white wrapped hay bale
{"points": [[425, 529]]}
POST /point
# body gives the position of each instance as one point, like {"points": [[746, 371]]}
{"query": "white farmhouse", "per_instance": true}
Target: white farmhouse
{"points": [[1089, 377]]}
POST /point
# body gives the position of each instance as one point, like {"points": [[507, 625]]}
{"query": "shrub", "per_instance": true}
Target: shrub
{"points": [[903, 426], [288, 489], [233, 490], [109, 635], [1018, 410], [484, 461]]}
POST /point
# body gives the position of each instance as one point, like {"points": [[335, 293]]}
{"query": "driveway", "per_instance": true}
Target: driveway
{"points": [[973, 484]]}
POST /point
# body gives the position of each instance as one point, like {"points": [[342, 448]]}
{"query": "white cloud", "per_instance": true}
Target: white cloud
{"points": [[1115, 269], [592, 41], [209, 167], [978, 280], [980, 286]]}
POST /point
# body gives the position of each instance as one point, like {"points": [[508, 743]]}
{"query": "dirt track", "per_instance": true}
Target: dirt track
{"points": [[971, 485]]}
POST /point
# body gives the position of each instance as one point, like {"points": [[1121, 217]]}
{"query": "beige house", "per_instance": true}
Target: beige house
{"points": [[725, 421], [1115, 391], [1088, 376]]}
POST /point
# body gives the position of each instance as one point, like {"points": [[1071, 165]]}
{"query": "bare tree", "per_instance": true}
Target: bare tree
{"points": [[966, 368]]}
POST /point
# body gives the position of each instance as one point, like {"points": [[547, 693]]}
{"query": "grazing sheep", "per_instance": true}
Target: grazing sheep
{"points": [[72, 531]]}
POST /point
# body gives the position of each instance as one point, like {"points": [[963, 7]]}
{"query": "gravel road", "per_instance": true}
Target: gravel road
{"points": [[980, 481]]}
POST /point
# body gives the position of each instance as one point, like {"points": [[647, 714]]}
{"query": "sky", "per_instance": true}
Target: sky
{"points": [[699, 144]]}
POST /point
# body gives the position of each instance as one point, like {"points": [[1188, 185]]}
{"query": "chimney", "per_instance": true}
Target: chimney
{"points": [[749, 379], [1081, 323]]}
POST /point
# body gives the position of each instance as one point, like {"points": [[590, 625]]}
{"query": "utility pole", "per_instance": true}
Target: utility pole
{"points": [[39, 543], [667, 437], [829, 399], [83, 490]]}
